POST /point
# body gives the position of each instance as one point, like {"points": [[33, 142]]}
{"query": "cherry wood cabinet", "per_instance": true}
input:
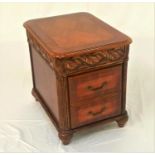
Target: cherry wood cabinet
{"points": [[79, 71]]}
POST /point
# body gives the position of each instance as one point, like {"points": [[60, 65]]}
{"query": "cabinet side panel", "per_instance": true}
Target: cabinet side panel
{"points": [[45, 82]]}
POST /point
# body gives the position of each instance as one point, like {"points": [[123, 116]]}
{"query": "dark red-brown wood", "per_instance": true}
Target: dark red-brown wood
{"points": [[79, 71], [95, 83], [96, 108], [60, 36]]}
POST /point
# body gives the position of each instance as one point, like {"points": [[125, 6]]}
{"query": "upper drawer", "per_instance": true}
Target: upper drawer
{"points": [[95, 83]]}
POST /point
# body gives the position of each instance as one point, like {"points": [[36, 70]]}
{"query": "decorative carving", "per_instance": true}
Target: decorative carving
{"points": [[41, 51], [64, 66], [93, 59]]}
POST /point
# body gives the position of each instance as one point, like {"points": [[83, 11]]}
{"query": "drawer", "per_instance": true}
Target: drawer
{"points": [[95, 83], [95, 109]]}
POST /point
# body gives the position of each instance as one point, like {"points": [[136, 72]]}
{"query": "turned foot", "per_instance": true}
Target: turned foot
{"points": [[35, 95], [122, 121], [65, 137]]}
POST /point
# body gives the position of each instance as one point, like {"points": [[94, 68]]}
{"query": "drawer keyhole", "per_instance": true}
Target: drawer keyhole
{"points": [[97, 88], [98, 112]]}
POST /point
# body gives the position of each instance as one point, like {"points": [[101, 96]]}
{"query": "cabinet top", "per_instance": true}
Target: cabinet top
{"points": [[74, 34]]}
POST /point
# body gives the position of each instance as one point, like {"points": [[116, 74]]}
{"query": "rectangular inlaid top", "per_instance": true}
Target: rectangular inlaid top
{"points": [[70, 34]]}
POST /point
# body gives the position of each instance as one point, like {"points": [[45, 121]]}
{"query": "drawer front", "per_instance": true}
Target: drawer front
{"points": [[95, 83], [98, 108]]}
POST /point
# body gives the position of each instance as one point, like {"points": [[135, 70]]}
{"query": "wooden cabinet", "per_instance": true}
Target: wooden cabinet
{"points": [[79, 71]]}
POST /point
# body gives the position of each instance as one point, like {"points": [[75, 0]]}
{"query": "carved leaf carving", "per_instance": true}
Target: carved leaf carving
{"points": [[93, 59], [66, 65]]}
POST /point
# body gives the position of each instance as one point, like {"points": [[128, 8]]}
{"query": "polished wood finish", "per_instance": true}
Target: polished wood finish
{"points": [[96, 108], [45, 82], [95, 83], [79, 71], [62, 35]]}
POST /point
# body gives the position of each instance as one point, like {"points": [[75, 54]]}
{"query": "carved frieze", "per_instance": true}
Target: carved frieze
{"points": [[68, 65], [40, 50], [93, 59]]}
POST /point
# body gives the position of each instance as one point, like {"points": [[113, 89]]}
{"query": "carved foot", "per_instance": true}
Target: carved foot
{"points": [[35, 95], [122, 121], [65, 137]]}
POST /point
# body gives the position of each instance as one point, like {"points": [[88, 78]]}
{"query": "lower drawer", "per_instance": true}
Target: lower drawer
{"points": [[95, 109]]}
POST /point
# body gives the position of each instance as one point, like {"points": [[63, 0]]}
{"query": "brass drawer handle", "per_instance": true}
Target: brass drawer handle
{"points": [[97, 88], [98, 112]]}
